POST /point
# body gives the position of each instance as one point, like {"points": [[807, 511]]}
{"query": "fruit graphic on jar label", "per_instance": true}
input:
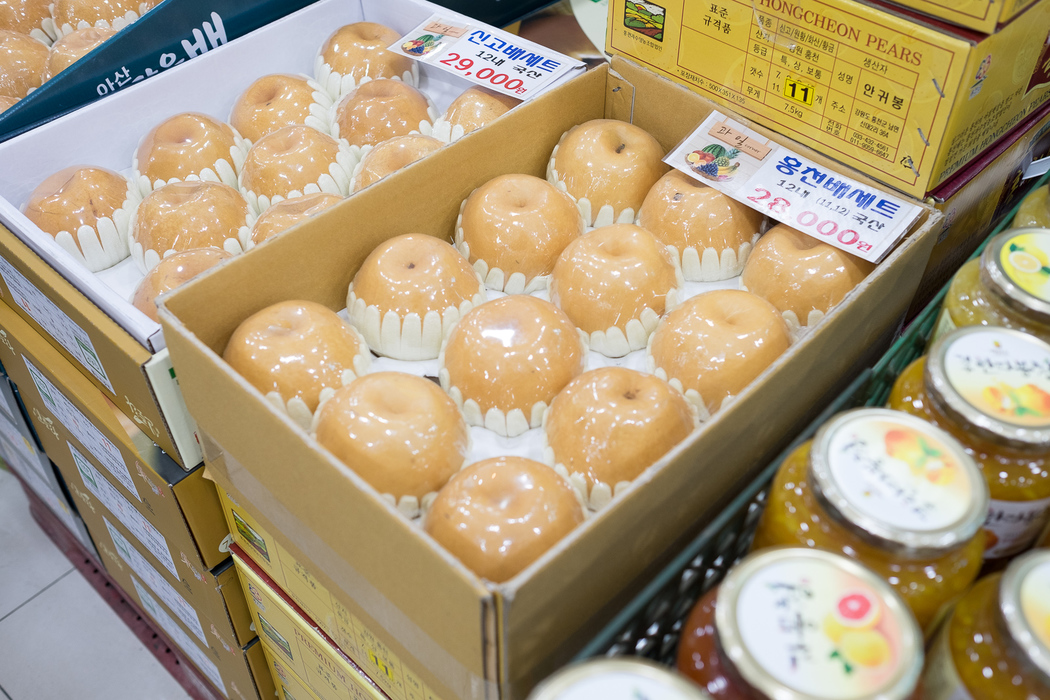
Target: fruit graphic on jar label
{"points": [[1027, 400], [851, 625], [924, 458], [821, 631], [1025, 260]]}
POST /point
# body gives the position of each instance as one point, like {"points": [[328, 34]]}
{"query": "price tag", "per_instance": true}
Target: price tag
{"points": [[812, 198], [485, 56]]}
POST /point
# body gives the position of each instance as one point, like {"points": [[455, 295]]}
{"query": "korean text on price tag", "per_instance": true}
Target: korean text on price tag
{"points": [[486, 56], [812, 198]]}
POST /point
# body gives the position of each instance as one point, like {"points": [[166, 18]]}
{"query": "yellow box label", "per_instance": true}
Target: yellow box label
{"points": [[862, 84], [798, 91], [289, 685], [352, 636]]}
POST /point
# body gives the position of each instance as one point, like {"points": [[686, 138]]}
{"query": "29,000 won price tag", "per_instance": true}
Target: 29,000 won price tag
{"points": [[485, 56], [812, 198]]}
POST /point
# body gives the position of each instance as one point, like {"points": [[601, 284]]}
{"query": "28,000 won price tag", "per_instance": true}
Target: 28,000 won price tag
{"points": [[805, 195], [485, 56]]}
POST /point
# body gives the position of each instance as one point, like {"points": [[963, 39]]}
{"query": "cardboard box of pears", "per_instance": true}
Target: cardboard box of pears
{"points": [[466, 623], [74, 282], [58, 56]]}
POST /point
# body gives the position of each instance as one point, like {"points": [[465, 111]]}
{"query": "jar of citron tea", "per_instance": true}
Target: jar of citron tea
{"points": [[1034, 210], [1009, 286], [892, 491], [990, 389], [996, 643], [802, 624]]}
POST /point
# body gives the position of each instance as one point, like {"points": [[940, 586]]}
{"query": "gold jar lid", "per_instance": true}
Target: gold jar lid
{"points": [[995, 383], [1024, 599], [805, 624], [898, 479], [617, 679], [1015, 266]]}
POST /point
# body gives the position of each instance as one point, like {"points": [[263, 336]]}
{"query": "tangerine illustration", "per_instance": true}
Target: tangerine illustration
{"points": [[923, 459], [1027, 400], [865, 647]]}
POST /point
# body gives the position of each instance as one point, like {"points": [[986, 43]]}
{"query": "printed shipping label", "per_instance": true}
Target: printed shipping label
{"points": [[785, 186], [180, 638], [156, 582], [83, 429], [1012, 526], [52, 319], [485, 56], [126, 513]]}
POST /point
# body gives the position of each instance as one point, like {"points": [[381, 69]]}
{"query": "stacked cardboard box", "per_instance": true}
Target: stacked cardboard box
{"points": [[158, 528], [902, 97]]}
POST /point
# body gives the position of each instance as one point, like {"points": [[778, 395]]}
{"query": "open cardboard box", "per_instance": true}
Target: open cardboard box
{"points": [[88, 316], [465, 637], [163, 38]]}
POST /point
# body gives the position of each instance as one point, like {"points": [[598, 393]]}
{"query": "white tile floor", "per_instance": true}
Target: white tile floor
{"points": [[58, 638]]}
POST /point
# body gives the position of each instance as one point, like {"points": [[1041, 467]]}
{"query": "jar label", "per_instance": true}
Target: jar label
{"points": [[622, 685], [819, 630], [1004, 376], [900, 474], [1025, 258], [941, 680], [1035, 602], [1012, 526]]}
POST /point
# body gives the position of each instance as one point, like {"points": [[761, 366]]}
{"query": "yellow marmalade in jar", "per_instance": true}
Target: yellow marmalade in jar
{"points": [[1034, 209], [891, 491], [996, 644], [990, 389], [1009, 286]]}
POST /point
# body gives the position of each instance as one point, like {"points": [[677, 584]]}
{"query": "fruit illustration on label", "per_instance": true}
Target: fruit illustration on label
{"points": [[1027, 265], [1028, 400], [852, 626], [714, 162], [923, 458], [421, 46]]}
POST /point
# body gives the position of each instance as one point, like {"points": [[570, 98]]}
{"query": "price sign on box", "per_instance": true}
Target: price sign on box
{"points": [[785, 186], [486, 56]]}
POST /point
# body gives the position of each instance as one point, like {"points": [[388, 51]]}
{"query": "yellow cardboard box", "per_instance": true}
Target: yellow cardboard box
{"points": [[295, 640], [116, 475], [979, 15], [289, 685], [295, 577], [903, 101]]}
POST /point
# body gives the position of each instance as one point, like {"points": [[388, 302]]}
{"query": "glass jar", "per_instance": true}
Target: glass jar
{"points": [[1009, 286], [623, 678], [892, 491], [1034, 209], [990, 389], [996, 644], [794, 624]]}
